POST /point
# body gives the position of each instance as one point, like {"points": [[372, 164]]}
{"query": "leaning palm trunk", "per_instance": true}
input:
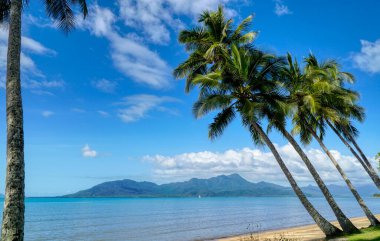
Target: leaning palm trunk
{"points": [[368, 213], [375, 178], [327, 228], [344, 222], [13, 215], [364, 158]]}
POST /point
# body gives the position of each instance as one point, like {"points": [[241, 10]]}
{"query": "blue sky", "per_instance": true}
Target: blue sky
{"points": [[101, 104]]}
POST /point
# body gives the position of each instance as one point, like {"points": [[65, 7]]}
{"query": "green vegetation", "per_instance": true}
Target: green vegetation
{"points": [[220, 186], [366, 234]]}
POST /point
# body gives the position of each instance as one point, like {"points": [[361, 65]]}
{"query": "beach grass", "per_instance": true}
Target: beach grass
{"points": [[366, 234]]}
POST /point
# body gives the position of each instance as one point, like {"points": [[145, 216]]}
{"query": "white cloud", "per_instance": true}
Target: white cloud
{"points": [[39, 21], [281, 9], [368, 59], [256, 165], [27, 64], [157, 18], [34, 84], [196, 7], [35, 47], [103, 113], [130, 57], [88, 152], [104, 85], [153, 17], [47, 113], [138, 106], [140, 63]]}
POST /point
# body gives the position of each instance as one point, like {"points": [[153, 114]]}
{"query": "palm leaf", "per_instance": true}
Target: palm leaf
{"points": [[221, 121], [5, 6], [61, 11]]}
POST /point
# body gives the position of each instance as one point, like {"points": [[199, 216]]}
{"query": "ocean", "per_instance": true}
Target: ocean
{"points": [[169, 219]]}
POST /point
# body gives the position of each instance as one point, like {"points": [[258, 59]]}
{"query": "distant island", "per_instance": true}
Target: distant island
{"points": [[221, 186]]}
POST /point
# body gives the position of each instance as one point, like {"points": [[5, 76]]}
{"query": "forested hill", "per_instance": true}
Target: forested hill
{"points": [[221, 186]]}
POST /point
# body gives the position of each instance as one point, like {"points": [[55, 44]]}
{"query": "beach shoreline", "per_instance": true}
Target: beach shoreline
{"points": [[309, 232]]}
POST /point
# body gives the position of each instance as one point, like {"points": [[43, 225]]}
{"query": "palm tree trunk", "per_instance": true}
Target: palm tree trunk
{"points": [[368, 213], [344, 222], [364, 158], [375, 178], [327, 228], [13, 215]]}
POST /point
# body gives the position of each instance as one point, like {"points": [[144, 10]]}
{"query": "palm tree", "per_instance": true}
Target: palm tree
{"points": [[10, 12], [348, 109], [374, 175], [208, 42], [343, 129], [244, 85], [315, 103], [292, 78]]}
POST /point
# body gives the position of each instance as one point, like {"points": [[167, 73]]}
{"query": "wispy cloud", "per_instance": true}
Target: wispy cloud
{"points": [[34, 84], [281, 9], [138, 107], [368, 59], [29, 46], [104, 85], [157, 18], [103, 113], [35, 46], [47, 113], [255, 164], [87, 152], [130, 57], [40, 22]]}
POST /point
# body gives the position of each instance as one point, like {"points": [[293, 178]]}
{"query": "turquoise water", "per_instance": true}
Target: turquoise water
{"points": [[165, 219]]}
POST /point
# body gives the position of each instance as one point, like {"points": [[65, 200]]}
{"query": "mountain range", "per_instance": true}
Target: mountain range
{"points": [[220, 186]]}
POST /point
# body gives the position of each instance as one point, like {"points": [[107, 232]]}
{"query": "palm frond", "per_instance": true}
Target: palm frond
{"points": [[83, 6], [62, 12], [205, 105], [221, 121], [5, 6]]}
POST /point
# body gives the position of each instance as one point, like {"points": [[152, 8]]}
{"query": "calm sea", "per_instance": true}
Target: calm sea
{"points": [[165, 219]]}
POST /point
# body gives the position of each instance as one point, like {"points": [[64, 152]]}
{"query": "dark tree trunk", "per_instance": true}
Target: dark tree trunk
{"points": [[344, 222], [375, 178], [327, 228], [368, 213], [13, 215]]}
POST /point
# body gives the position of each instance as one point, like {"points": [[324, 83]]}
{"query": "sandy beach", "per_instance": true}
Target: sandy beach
{"points": [[307, 233]]}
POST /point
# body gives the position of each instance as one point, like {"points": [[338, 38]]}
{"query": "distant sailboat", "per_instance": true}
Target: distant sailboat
{"points": [[199, 196]]}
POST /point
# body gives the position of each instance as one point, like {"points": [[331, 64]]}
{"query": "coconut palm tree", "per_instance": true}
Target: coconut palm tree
{"points": [[345, 130], [10, 12], [244, 85], [315, 103], [348, 109], [208, 42], [292, 78], [374, 176]]}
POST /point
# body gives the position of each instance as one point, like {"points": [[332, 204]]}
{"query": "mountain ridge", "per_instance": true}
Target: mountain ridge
{"points": [[220, 186]]}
